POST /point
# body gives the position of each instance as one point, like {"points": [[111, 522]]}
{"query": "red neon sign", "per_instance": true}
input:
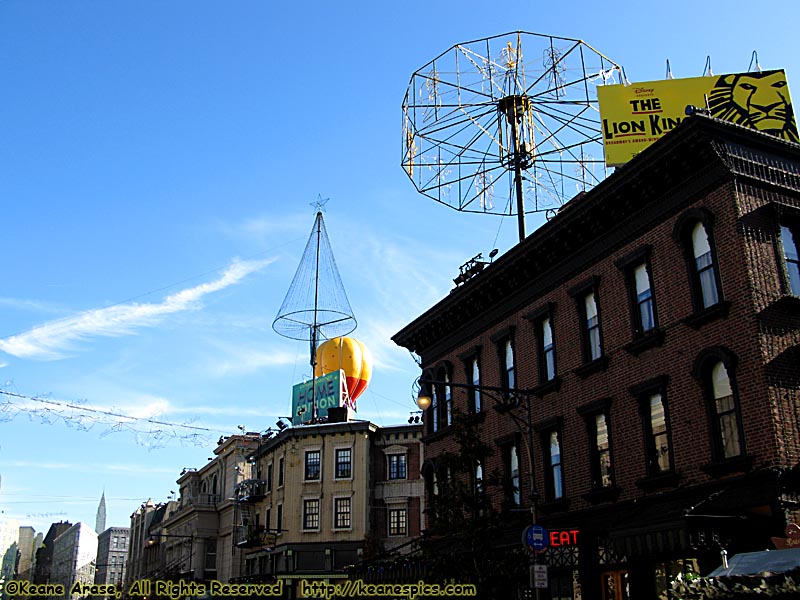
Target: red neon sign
{"points": [[565, 537]]}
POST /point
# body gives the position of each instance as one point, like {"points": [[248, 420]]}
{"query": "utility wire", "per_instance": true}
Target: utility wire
{"points": [[111, 413]]}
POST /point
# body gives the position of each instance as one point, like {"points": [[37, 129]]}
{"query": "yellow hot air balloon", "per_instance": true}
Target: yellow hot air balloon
{"points": [[349, 355]]}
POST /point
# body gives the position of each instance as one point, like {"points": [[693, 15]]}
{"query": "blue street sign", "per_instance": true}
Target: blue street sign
{"points": [[535, 538]]}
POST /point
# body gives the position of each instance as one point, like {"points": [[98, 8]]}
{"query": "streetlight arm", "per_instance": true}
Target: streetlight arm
{"points": [[424, 401]]}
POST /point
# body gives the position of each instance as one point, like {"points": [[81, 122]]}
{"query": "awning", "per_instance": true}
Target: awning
{"points": [[755, 563]]}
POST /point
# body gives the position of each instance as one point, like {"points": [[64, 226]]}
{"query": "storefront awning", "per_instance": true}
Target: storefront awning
{"points": [[755, 563]]}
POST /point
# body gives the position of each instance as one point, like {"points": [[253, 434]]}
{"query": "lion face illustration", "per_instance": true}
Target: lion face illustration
{"points": [[756, 100]]}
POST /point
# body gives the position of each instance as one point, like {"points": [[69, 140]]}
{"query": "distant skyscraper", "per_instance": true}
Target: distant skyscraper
{"points": [[100, 522]]}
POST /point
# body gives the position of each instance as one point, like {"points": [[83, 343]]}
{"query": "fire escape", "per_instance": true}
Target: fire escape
{"points": [[248, 531]]}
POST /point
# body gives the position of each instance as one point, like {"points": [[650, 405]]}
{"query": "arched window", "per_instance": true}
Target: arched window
{"points": [[448, 401], [475, 377], [430, 416], [504, 340], [704, 266], [789, 242], [694, 232], [728, 425], [556, 480], [715, 369], [442, 406]]}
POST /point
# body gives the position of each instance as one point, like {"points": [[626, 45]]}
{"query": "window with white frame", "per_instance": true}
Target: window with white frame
{"points": [[344, 463], [398, 521], [341, 513], [311, 513], [312, 465], [396, 466]]}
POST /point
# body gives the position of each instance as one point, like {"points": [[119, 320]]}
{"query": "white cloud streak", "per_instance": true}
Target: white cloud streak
{"points": [[239, 360], [50, 340], [87, 467]]}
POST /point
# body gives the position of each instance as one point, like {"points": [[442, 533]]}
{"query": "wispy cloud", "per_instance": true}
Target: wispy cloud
{"points": [[50, 340], [239, 360], [150, 407], [86, 467], [407, 283], [29, 305], [264, 226]]}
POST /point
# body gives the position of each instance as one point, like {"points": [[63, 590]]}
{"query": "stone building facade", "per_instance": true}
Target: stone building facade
{"points": [[327, 496]]}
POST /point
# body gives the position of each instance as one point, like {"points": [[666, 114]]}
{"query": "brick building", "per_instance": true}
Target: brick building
{"points": [[650, 330]]}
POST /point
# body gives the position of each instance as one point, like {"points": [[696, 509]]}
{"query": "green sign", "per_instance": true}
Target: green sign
{"points": [[328, 393]]}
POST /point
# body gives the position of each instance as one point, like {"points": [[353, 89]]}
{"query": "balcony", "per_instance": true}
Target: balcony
{"points": [[250, 490], [254, 537]]}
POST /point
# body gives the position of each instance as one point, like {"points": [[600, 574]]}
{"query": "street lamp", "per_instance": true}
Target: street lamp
{"points": [[500, 396], [155, 538], [423, 400]]}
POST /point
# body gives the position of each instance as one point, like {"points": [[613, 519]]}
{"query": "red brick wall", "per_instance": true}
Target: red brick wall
{"points": [[748, 265]]}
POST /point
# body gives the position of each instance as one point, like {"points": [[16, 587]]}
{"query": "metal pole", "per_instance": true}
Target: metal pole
{"points": [[534, 494], [314, 327], [518, 180]]}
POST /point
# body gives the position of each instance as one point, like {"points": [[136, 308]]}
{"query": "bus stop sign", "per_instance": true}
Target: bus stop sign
{"points": [[535, 538]]}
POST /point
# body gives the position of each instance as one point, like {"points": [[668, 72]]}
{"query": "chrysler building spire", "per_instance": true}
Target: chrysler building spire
{"points": [[100, 522]]}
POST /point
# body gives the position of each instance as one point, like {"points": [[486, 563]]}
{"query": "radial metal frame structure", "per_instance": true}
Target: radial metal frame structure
{"points": [[483, 111]]}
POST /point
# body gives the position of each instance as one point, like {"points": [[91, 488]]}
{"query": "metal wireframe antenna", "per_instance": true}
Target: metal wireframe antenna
{"points": [[482, 112], [316, 305]]}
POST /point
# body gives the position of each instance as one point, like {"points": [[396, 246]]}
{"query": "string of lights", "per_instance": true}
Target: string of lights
{"points": [[148, 432]]}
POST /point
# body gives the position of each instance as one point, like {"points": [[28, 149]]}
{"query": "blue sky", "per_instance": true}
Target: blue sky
{"points": [[158, 162]]}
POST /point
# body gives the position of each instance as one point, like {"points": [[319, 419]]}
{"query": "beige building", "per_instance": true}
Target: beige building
{"points": [[321, 497], [196, 537], [310, 500], [145, 555], [29, 543]]}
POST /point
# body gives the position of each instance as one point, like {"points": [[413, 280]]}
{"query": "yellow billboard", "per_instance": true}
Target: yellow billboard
{"points": [[635, 115]]}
